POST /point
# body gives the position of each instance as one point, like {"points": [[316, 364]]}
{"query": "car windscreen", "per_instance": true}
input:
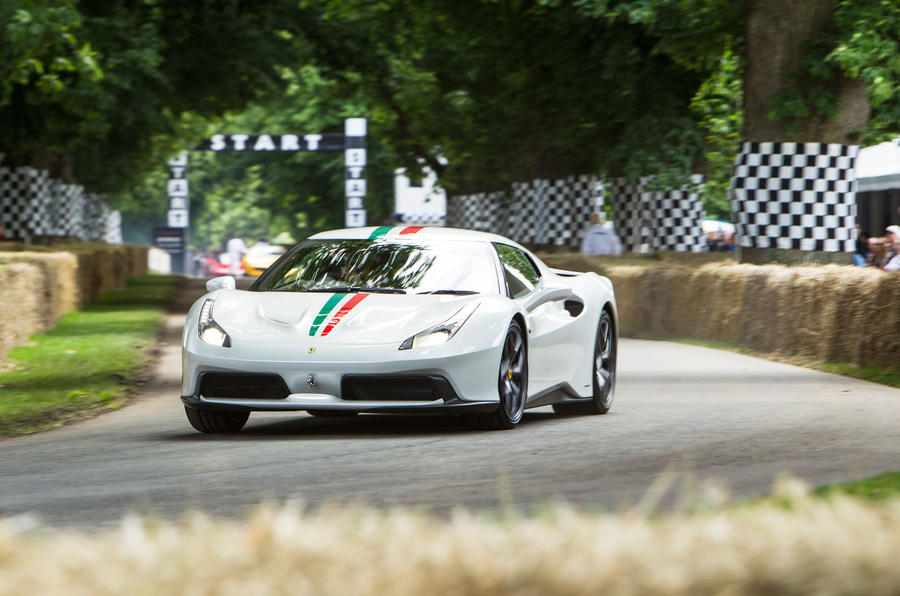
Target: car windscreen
{"points": [[410, 267]]}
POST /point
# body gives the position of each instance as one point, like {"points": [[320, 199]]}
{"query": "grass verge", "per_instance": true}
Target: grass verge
{"points": [[876, 374], [86, 364], [877, 488]]}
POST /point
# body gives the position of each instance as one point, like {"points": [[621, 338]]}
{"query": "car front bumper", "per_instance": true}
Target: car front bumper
{"points": [[314, 380]]}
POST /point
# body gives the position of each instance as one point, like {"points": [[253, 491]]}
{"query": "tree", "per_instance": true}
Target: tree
{"points": [[164, 65], [510, 91], [263, 195], [821, 71]]}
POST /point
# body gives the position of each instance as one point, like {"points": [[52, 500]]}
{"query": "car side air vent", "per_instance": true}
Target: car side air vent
{"points": [[574, 307]]}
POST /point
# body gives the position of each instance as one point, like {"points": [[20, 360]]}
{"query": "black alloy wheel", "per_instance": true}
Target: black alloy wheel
{"points": [[604, 376], [512, 382], [215, 421]]}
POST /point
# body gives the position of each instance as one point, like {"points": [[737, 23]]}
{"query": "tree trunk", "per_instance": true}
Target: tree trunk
{"points": [[776, 36]]}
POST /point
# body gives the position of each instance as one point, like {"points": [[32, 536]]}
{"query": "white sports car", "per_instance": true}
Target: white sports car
{"points": [[401, 319]]}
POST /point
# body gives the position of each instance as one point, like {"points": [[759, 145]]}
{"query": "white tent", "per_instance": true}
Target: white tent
{"points": [[878, 186], [878, 167]]}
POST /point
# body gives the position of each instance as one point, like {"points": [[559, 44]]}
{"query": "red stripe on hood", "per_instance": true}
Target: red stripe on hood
{"points": [[348, 306], [411, 229]]}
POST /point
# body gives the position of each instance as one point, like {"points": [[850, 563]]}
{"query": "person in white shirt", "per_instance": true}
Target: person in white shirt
{"points": [[236, 249], [600, 239]]}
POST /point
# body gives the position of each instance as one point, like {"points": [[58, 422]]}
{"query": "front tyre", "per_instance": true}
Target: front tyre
{"points": [[512, 383], [214, 421], [605, 349]]}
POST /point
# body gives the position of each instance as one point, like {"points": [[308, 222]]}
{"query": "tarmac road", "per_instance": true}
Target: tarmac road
{"points": [[691, 410]]}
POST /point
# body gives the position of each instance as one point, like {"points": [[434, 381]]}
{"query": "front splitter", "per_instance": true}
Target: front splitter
{"points": [[287, 405]]}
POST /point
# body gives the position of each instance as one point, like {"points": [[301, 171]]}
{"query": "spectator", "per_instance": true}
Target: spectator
{"points": [[863, 254], [729, 241], [714, 241], [600, 239], [236, 250], [197, 261], [891, 260]]}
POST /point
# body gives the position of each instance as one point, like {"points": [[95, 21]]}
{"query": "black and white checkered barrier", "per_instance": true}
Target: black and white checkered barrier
{"points": [[539, 212], [797, 196], [34, 204], [423, 219], [17, 202], [650, 220], [480, 211]]}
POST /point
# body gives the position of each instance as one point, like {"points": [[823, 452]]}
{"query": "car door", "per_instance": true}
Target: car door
{"points": [[548, 359]]}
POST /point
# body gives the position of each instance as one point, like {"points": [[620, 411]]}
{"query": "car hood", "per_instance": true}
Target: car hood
{"points": [[355, 318]]}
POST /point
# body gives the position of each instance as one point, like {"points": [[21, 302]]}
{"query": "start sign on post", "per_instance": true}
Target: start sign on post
{"points": [[178, 218], [352, 143]]}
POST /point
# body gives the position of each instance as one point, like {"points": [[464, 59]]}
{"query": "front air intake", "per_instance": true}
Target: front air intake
{"points": [[243, 386], [396, 388]]}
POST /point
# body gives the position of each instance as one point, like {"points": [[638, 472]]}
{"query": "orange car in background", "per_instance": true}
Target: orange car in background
{"points": [[259, 257]]}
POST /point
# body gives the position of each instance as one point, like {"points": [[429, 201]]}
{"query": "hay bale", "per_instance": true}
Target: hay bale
{"points": [[761, 301], [719, 301], [38, 286], [58, 272], [658, 302], [883, 327], [106, 266], [807, 311], [856, 316], [627, 283], [138, 260], [23, 311], [833, 313], [86, 278]]}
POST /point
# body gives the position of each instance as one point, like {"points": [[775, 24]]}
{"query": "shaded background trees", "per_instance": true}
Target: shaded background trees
{"points": [[101, 92]]}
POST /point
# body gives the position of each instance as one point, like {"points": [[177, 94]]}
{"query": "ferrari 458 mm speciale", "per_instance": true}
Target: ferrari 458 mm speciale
{"points": [[401, 319]]}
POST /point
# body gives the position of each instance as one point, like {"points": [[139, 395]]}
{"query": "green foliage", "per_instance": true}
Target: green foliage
{"points": [[102, 92], [718, 105], [508, 91], [876, 488], [504, 92], [867, 48], [695, 33], [160, 59], [40, 49], [261, 195], [812, 94], [702, 37]]}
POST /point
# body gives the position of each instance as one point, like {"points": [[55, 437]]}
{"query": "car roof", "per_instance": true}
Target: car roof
{"points": [[412, 232]]}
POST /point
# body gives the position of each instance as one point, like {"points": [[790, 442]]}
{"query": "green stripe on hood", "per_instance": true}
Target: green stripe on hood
{"points": [[323, 314], [380, 231]]}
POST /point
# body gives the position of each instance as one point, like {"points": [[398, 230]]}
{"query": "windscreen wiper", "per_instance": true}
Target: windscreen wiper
{"points": [[356, 289], [453, 292]]}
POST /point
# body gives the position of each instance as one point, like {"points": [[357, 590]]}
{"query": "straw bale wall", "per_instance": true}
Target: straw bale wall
{"points": [[39, 285], [20, 317], [830, 313]]}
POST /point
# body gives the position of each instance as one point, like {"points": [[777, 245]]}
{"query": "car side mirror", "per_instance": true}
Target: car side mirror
{"points": [[225, 282]]}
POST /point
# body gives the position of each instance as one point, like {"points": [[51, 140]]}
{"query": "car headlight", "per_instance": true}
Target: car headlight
{"points": [[439, 334], [209, 330]]}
